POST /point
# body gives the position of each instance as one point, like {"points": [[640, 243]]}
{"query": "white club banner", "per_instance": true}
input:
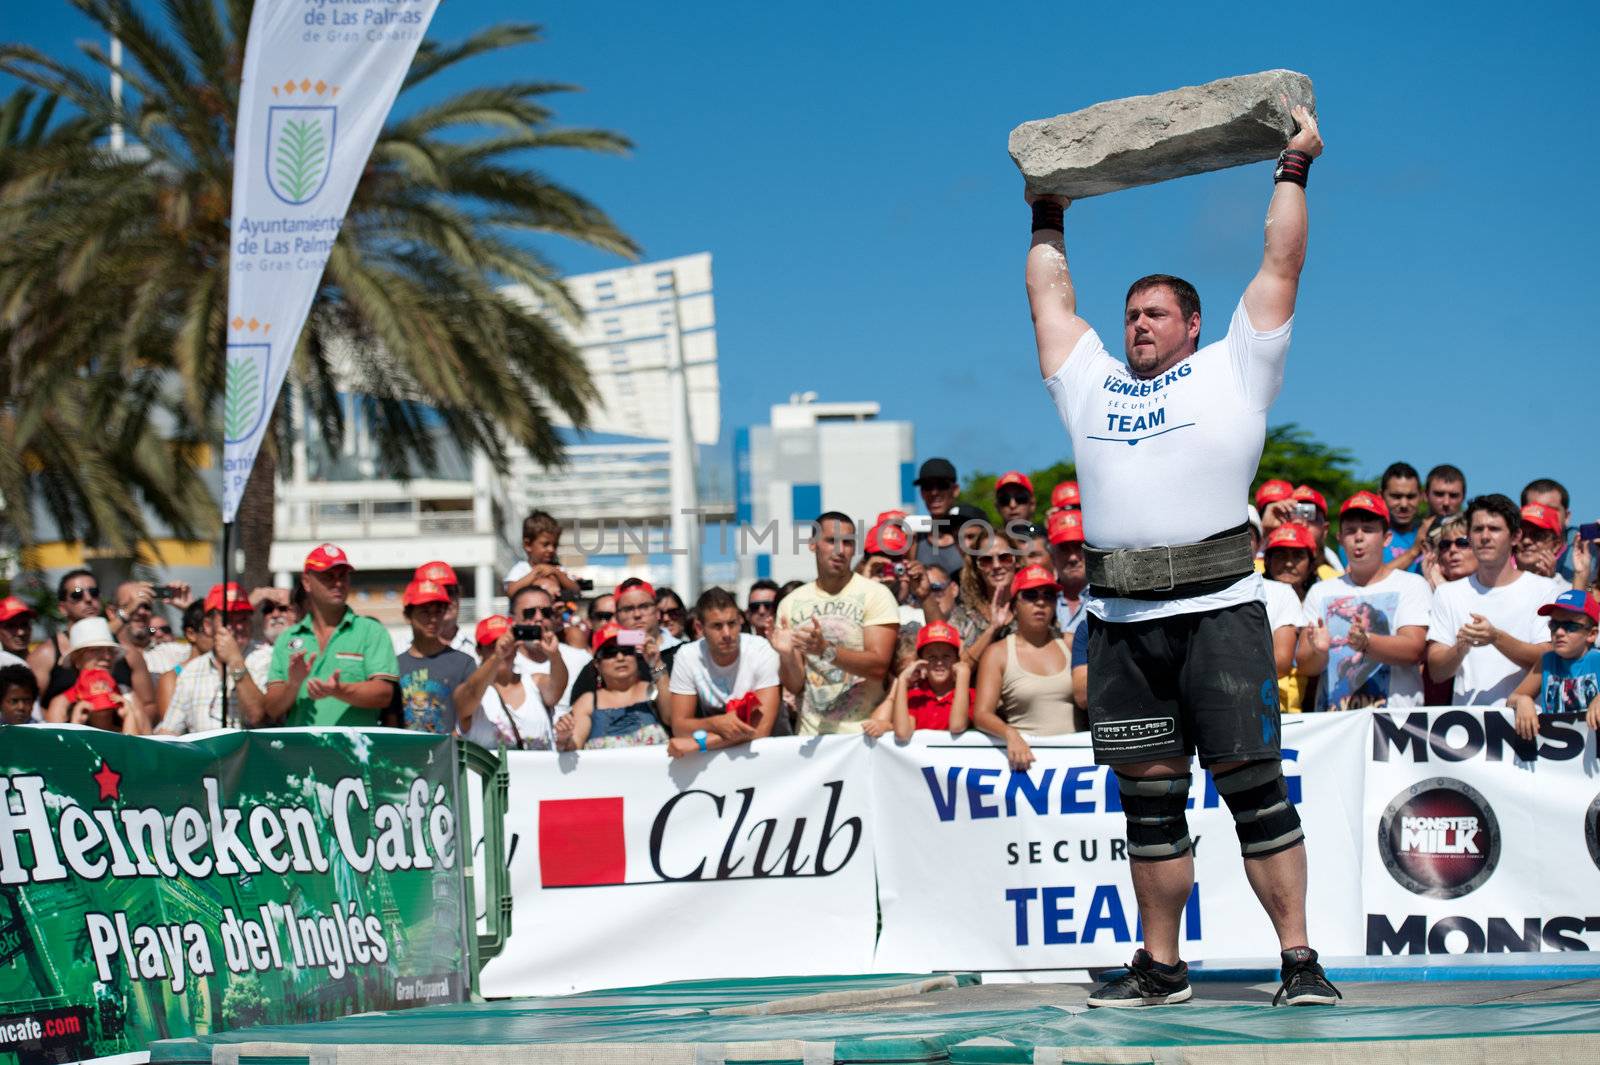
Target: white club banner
{"points": [[318, 80], [631, 868], [1476, 841], [982, 868]]}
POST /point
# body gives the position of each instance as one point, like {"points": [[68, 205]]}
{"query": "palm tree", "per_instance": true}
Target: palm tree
{"points": [[410, 321], [89, 482]]}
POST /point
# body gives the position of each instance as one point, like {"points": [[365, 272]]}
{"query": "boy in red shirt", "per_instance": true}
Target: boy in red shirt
{"points": [[933, 692]]}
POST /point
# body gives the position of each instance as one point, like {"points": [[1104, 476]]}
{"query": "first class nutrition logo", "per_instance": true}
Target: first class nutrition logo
{"points": [[1439, 838]]}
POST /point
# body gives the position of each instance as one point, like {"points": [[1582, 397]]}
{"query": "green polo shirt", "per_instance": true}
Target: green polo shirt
{"points": [[359, 649]]}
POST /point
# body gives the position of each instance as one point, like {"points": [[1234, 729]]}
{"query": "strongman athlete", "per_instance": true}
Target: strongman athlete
{"points": [[1180, 655]]}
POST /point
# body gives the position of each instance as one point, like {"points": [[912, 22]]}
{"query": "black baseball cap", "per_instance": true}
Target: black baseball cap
{"points": [[936, 470]]}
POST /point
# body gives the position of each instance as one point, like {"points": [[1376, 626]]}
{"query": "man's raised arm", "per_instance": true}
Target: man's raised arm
{"points": [[1056, 325], [1269, 299]]}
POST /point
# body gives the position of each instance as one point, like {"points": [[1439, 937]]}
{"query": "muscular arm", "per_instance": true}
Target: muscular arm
{"points": [[1269, 299], [1521, 652], [1403, 648], [1051, 298], [872, 661]]}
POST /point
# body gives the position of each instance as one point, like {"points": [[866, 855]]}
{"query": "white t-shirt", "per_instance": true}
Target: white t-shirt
{"points": [[1488, 677], [1168, 460], [1354, 680], [575, 658], [694, 672], [1283, 606], [491, 725], [9, 659]]}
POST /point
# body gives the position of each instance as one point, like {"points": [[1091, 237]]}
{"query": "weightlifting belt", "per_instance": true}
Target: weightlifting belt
{"points": [[1172, 572]]}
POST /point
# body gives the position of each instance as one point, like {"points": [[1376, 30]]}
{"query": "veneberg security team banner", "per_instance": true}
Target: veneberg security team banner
{"points": [[319, 78], [1029, 871], [154, 888], [628, 868], [1477, 841]]}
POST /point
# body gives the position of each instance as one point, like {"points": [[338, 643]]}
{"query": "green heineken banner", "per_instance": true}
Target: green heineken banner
{"points": [[154, 888]]}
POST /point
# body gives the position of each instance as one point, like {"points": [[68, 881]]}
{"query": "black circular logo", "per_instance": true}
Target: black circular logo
{"points": [[1439, 838], [1591, 830]]}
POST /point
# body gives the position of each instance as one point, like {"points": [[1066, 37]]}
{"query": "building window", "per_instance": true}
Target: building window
{"points": [[605, 292]]}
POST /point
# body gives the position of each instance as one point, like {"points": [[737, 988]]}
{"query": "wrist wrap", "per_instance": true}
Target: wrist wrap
{"points": [[1293, 165], [1047, 215]]}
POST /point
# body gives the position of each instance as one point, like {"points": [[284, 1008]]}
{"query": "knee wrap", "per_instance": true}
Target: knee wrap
{"points": [[1262, 814], [1157, 827]]}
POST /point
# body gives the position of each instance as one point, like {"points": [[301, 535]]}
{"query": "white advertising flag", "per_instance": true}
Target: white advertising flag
{"points": [[319, 78]]}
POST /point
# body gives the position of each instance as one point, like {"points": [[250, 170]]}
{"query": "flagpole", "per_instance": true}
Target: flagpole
{"points": [[227, 605]]}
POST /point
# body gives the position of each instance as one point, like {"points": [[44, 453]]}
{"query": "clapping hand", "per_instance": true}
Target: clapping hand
{"points": [[300, 668], [810, 639], [1476, 633]]}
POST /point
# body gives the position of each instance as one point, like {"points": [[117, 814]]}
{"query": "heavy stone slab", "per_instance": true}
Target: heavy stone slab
{"points": [[1140, 140]]}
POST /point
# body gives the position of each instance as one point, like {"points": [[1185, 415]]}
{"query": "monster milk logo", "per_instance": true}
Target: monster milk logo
{"points": [[300, 138], [249, 362]]}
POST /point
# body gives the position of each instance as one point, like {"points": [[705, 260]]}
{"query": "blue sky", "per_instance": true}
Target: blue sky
{"points": [[848, 171]]}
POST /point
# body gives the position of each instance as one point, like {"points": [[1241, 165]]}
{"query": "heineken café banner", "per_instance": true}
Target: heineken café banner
{"points": [[155, 888]]}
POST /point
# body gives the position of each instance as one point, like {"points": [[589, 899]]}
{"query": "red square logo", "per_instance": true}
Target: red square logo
{"points": [[581, 842]]}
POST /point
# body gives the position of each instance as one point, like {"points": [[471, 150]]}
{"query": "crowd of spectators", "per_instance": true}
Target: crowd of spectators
{"points": [[942, 620]]}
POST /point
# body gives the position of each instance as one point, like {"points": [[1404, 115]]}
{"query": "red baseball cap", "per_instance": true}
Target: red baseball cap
{"points": [[238, 602], [1272, 492], [12, 607], [938, 632], [98, 689], [1066, 494], [637, 585], [1033, 577], [438, 572], [890, 515], [1291, 534], [1306, 494], [1542, 516], [605, 632], [490, 629], [1012, 477], [1574, 599], [886, 540], [325, 557], [1065, 527], [419, 592], [1367, 502]]}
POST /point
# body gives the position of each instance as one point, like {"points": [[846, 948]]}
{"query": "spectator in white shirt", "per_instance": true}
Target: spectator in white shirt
{"points": [[1485, 629], [499, 706], [533, 606], [1366, 629], [196, 704], [725, 685]]}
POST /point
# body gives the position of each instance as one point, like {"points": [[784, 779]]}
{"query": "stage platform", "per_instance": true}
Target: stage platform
{"points": [[1537, 1010]]}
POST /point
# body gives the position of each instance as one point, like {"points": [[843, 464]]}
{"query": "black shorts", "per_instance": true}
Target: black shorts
{"points": [[1172, 686]]}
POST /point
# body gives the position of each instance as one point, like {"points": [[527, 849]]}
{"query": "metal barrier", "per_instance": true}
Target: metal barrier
{"points": [[496, 783]]}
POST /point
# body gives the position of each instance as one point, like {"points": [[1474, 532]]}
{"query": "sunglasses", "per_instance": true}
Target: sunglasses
{"points": [[90, 592], [274, 608], [613, 651], [996, 560], [1566, 625], [1037, 595], [602, 615], [1461, 541], [674, 614], [935, 587], [1007, 498], [932, 485], [531, 612], [763, 604]]}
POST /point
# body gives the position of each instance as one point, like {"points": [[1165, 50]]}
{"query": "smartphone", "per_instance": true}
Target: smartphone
{"points": [[1589, 530], [919, 524], [585, 584], [1306, 513], [164, 591], [527, 632], [630, 638]]}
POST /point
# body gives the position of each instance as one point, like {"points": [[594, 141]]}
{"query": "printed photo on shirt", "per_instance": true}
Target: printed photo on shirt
{"points": [[1354, 679]]}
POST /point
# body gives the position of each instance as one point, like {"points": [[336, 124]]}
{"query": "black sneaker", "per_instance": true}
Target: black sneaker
{"points": [[1144, 985], [1304, 982]]}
